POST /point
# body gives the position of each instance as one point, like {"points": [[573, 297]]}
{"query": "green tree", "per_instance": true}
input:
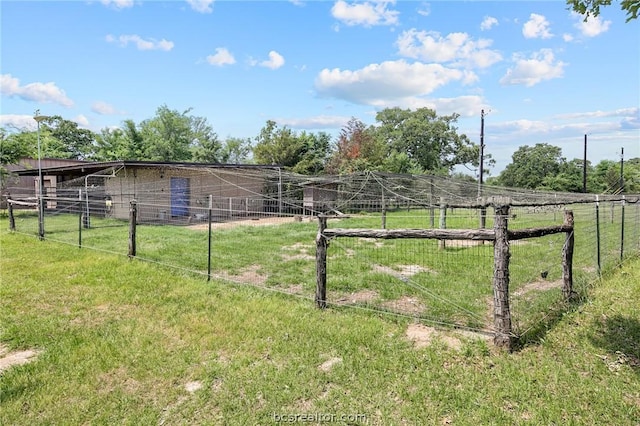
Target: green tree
{"points": [[570, 178], [235, 150], [206, 145], [278, 146], [589, 8], [315, 153], [61, 138], [167, 136], [13, 147], [430, 140], [531, 165]]}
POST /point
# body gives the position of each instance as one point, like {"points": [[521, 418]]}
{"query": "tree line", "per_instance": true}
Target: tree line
{"points": [[400, 141]]}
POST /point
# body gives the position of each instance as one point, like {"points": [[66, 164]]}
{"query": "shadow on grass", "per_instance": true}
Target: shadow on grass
{"points": [[536, 334], [620, 336]]}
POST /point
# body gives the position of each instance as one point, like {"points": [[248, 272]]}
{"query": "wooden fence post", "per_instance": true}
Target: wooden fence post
{"points": [[443, 222], [321, 264], [384, 211], [40, 217], [133, 218], [12, 219], [567, 258], [501, 255]]}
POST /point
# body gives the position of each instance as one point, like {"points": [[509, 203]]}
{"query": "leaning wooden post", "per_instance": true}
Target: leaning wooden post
{"points": [[133, 218], [12, 219], [567, 257], [321, 264], [501, 255], [443, 221]]}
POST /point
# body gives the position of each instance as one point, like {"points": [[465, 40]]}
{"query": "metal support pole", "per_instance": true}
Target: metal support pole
{"points": [[209, 245]]}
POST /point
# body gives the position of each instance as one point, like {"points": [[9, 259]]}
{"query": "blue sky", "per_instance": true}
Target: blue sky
{"points": [[541, 74]]}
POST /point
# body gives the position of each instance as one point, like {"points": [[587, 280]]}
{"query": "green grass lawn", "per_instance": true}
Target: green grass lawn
{"points": [[127, 342], [450, 286]]}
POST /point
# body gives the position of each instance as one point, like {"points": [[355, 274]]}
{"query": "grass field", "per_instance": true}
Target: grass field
{"points": [[409, 277], [118, 341]]}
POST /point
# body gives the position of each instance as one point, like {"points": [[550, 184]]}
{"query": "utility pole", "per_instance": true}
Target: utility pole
{"points": [[621, 171], [584, 167]]}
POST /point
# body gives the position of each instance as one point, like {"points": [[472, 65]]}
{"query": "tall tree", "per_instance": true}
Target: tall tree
{"points": [[61, 138], [167, 136], [357, 149], [531, 165], [315, 153], [432, 141], [13, 147], [278, 146], [235, 150], [207, 147]]}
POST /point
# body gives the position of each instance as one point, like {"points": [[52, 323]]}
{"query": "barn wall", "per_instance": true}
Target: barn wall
{"points": [[234, 192]]}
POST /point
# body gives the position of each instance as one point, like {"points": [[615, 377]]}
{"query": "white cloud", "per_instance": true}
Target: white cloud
{"points": [[488, 22], [541, 66], [317, 122], [536, 27], [297, 2], [379, 84], [222, 57], [622, 112], [202, 6], [274, 62], [456, 48], [594, 26], [466, 106], [141, 44], [425, 9], [82, 121], [18, 121], [37, 92], [368, 13], [117, 4], [103, 108], [567, 37]]}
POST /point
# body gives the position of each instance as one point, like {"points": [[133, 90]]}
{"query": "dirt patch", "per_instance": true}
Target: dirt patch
{"points": [[248, 275], [406, 304], [403, 272], [302, 252], [329, 364], [420, 335], [118, 378], [191, 387], [423, 336], [361, 296], [262, 221], [376, 243], [9, 359], [466, 243], [294, 289], [538, 285]]}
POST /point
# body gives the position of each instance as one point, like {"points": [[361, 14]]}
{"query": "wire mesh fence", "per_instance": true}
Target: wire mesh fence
{"points": [[265, 236]]}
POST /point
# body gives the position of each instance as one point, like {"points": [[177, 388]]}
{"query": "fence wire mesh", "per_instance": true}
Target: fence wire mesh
{"points": [[259, 228]]}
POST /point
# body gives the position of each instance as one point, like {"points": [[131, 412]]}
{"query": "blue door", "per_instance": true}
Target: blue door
{"points": [[179, 196]]}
